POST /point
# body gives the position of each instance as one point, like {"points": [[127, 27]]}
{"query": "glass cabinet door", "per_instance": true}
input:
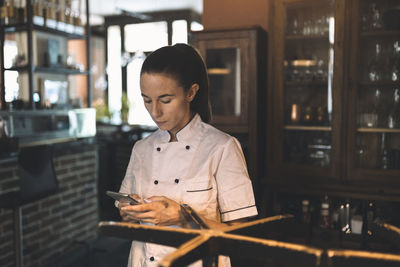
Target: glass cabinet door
{"points": [[307, 78], [223, 66], [375, 144], [228, 68]]}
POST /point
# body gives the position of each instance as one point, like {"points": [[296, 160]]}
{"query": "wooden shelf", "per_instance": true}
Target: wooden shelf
{"points": [[307, 128], [380, 83], [377, 130], [383, 33], [307, 37], [307, 83]]}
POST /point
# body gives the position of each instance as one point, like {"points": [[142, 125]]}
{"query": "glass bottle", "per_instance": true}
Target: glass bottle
{"points": [[306, 211], [295, 113], [38, 14], [344, 214], [370, 216], [11, 12], [324, 218], [3, 14], [384, 154], [394, 114], [20, 10], [68, 12], [59, 11], [308, 115]]}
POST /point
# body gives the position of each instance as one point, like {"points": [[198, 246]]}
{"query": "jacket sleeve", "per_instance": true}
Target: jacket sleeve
{"points": [[235, 191]]}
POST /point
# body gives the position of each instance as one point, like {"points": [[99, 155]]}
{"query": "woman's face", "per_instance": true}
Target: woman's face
{"points": [[166, 101]]}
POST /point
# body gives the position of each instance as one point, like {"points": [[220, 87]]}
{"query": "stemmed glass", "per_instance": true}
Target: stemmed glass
{"points": [[375, 65]]}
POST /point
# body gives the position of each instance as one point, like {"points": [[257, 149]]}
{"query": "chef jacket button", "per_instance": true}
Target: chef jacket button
{"points": [[151, 258], [155, 181], [187, 147], [177, 181], [158, 149]]}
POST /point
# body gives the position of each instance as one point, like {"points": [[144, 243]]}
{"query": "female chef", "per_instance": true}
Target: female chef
{"points": [[186, 160]]}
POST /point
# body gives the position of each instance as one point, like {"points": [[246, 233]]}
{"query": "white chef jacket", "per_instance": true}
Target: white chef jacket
{"points": [[205, 168]]}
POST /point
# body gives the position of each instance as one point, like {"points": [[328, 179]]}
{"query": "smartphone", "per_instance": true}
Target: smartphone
{"points": [[122, 197]]}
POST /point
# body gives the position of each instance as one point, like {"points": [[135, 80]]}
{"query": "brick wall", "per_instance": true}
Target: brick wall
{"points": [[58, 223]]}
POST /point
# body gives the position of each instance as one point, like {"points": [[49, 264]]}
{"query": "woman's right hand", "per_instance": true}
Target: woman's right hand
{"points": [[128, 216]]}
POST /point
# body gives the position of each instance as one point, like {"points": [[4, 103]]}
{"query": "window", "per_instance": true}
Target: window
{"points": [[136, 43], [114, 72]]}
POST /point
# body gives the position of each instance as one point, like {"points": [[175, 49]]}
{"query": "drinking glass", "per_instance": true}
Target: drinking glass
{"points": [[376, 16]]}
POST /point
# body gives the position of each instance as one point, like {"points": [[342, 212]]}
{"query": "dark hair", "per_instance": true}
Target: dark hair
{"points": [[183, 63]]}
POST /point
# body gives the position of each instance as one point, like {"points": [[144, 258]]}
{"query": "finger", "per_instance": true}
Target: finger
{"points": [[153, 221], [138, 208], [132, 219], [146, 216], [122, 204], [136, 197], [155, 198]]}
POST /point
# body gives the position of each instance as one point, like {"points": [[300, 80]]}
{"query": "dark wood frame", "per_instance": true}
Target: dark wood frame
{"points": [[279, 169], [391, 177], [342, 179]]}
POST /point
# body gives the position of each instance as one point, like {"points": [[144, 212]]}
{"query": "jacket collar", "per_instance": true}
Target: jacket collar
{"points": [[186, 133]]}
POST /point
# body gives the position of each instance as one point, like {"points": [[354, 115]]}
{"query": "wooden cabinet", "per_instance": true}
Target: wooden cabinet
{"points": [[373, 89], [40, 53], [236, 63], [335, 83]]}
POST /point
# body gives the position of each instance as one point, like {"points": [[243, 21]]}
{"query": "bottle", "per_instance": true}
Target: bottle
{"points": [[295, 113], [324, 218], [306, 211], [38, 17], [344, 217], [68, 12], [370, 216], [3, 14], [77, 15], [394, 114], [60, 15], [384, 154], [21, 11], [308, 115], [11, 12]]}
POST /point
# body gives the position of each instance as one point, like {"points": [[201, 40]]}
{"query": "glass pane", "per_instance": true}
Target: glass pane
{"points": [[99, 83], [308, 75], [138, 113], [179, 32], [137, 37], [224, 74], [378, 151], [378, 88], [313, 148]]}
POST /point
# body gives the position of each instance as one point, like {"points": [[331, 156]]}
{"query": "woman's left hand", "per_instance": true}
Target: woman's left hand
{"points": [[158, 210]]}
